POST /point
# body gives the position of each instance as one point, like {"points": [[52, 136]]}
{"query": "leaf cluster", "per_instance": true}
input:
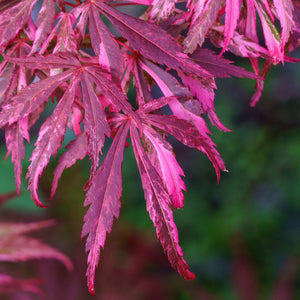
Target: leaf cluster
{"points": [[84, 54]]}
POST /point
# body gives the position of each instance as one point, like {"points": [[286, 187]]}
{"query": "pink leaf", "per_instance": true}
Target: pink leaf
{"points": [[284, 9], [188, 134], [232, 13], [112, 92], [76, 120], [219, 66], [268, 9], [161, 9], [260, 82], [64, 60], [202, 21], [143, 88], [44, 23], [105, 47], [104, 200], [11, 229], [31, 98], [159, 208], [5, 83], [156, 104], [166, 82], [22, 248], [50, 139], [166, 165], [95, 124], [77, 149], [272, 36], [14, 136], [240, 44], [151, 41], [17, 247], [66, 40], [14, 19], [81, 14], [203, 90], [250, 27]]}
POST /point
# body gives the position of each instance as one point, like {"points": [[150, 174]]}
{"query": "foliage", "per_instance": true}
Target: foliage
{"points": [[15, 246], [72, 54]]}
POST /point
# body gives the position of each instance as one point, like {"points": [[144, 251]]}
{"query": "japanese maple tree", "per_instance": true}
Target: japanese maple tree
{"points": [[84, 55]]}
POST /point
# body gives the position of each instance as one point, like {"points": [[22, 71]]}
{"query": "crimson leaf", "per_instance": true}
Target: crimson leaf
{"points": [[104, 200], [159, 208]]}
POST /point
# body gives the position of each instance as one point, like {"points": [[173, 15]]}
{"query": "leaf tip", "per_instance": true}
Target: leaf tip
{"points": [[189, 275], [91, 287]]}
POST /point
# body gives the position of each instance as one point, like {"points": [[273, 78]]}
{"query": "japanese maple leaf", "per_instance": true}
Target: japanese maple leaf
{"points": [[203, 17], [44, 23], [16, 246], [284, 10], [159, 208], [151, 41], [232, 13], [104, 200], [103, 43], [53, 130], [13, 20]]}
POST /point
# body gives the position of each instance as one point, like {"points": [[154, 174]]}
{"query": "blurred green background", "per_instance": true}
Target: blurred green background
{"points": [[245, 228]]}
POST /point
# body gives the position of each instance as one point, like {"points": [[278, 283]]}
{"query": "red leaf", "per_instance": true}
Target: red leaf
{"points": [[232, 13], [161, 9], [166, 82], [95, 124], [21, 248], [250, 26], [272, 36], [14, 136], [6, 78], [17, 247], [50, 139], [44, 23], [64, 60], [77, 149], [188, 134], [202, 20], [240, 44], [284, 9], [151, 41], [219, 66], [66, 40], [31, 98], [104, 198], [105, 47], [203, 90], [159, 208], [164, 161], [14, 19], [11, 229], [260, 82], [4, 5], [112, 92]]}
